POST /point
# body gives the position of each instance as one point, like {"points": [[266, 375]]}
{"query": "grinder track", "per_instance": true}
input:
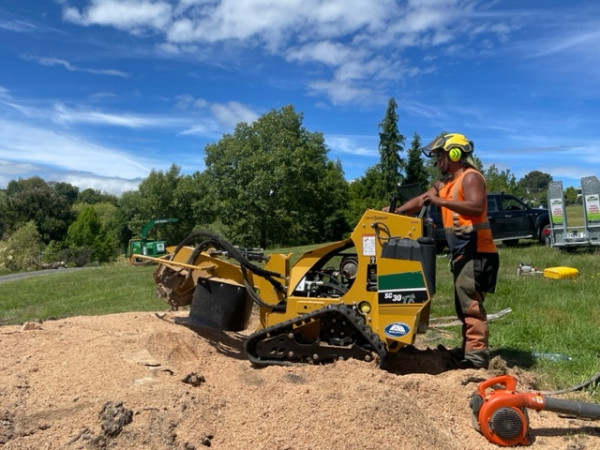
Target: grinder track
{"points": [[342, 334]]}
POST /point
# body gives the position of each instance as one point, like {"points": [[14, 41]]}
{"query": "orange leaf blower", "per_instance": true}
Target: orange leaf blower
{"points": [[501, 414]]}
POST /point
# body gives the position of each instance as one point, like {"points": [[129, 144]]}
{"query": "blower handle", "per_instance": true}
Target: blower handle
{"points": [[578, 409], [509, 382]]}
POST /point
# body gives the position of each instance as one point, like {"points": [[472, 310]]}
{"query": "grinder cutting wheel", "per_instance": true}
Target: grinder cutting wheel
{"points": [[501, 414]]}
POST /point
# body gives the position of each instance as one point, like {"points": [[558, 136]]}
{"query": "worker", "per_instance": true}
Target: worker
{"points": [[461, 194]]}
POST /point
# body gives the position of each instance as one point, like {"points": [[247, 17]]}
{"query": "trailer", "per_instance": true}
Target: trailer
{"points": [[565, 237]]}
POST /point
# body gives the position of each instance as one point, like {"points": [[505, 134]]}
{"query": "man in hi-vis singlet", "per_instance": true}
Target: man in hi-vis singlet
{"points": [[462, 196]]}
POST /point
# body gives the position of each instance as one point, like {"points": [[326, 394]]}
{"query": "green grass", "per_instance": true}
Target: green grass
{"points": [[575, 216], [91, 291], [547, 315]]}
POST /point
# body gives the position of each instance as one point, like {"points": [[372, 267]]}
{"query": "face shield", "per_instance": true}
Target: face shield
{"points": [[434, 147]]}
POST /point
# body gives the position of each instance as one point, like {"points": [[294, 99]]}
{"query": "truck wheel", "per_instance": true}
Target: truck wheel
{"points": [[546, 235]]}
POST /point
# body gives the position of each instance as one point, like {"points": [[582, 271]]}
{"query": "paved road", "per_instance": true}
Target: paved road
{"points": [[20, 275]]}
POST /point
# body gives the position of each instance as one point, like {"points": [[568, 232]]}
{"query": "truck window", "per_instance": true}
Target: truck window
{"points": [[512, 204]]}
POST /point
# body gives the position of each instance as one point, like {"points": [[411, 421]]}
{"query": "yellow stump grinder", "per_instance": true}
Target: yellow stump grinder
{"points": [[362, 297]]}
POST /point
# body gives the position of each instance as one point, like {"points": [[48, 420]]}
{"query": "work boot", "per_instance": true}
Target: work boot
{"points": [[475, 360]]}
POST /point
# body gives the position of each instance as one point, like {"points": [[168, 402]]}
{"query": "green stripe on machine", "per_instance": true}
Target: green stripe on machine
{"points": [[405, 280]]}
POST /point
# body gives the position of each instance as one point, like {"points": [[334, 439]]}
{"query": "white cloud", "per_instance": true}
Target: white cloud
{"points": [[204, 127], [355, 41], [326, 52], [352, 145], [20, 144], [583, 39], [19, 26], [47, 61], [112, 185], [131, 15], [231, 113], [64, 114], [187, 102], [341, 93], [10, 171]]}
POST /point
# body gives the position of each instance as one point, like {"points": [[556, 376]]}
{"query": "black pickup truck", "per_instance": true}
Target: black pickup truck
{"points": [[510, 218]]}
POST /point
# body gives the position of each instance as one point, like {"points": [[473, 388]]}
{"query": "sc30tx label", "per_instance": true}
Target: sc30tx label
{"points": [[402, 297]]}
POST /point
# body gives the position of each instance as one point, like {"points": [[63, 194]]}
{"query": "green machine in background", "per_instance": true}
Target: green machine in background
{"points": [[145, 246]]}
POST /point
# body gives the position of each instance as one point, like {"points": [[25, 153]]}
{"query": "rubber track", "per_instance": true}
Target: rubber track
{"points": [[284, 328]]}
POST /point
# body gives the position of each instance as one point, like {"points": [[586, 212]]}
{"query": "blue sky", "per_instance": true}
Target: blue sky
{"points": [[98, 93]]}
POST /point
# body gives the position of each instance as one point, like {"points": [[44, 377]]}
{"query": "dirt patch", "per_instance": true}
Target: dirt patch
{"points": [[138, 380]]}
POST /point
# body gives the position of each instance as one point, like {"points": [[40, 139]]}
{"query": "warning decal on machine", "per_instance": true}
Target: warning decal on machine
{"points": [[368, 245]]}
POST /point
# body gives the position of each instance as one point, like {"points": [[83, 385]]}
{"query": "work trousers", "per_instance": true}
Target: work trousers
{"points": [[469, 309]]}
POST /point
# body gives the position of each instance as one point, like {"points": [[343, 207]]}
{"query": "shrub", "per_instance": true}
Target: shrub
{"points": [[21, 250]]}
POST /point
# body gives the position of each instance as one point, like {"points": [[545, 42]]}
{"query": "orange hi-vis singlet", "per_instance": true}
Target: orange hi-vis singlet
{"points": [[465, 234]]}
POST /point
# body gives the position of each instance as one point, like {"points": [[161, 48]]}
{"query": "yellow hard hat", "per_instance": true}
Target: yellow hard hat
{"points": [[457, 145]]}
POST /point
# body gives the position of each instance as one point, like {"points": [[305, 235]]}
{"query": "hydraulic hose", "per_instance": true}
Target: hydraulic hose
{"points": [[213, 240]]}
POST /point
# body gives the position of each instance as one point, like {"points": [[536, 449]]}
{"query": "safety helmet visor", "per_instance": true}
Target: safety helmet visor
{"points": [[434, 147], [446, 143]]}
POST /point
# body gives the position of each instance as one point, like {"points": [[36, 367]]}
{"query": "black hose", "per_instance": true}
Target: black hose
{"points": [[214, 240], [592, 380], [376, 226]]}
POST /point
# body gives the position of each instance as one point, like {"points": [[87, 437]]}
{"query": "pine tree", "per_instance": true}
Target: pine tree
{"points": [[391, 144], [415, 170]]}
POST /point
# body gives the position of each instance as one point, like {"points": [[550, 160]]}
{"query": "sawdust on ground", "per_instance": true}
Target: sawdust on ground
{"points": [[140, 381]]}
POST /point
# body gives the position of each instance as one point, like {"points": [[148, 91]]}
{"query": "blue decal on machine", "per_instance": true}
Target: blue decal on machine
{"points": [[397, 329]]}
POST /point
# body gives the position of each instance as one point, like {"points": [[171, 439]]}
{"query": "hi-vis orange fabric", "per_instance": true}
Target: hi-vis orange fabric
{"points": [[462, 231]]}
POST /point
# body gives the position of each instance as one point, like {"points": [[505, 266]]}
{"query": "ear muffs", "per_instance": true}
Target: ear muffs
{"points": [[454, 154]]}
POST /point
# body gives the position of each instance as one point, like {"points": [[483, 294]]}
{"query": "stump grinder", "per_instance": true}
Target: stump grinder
{"points": [[363, 297]]}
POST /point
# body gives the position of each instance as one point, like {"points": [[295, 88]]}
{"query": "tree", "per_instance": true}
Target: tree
{"points": [[4, 213], [273, 183], [66, 190], [391, 144], [364, 194], [154, 199], [110, 217], [415, 170], [34, 199], [335, 186], [535, 187], [156, 193], [92, 196], [88, 231], [196, 206], [501, 181], [572, 197]]}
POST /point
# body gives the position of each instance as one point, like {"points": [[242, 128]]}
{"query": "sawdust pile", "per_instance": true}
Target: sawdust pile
{"points": [[137, 380]]}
